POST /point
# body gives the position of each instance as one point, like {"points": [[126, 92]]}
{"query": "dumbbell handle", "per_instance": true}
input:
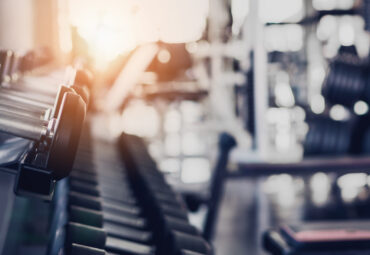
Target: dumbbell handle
{"points": [[21, 126], [19, 100], [39, 97], [27, 113]]}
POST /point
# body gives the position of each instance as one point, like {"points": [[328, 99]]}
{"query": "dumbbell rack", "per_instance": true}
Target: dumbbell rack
{"points": [[117, 202]]}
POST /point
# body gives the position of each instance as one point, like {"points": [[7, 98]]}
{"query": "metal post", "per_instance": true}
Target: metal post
{"points": [[226, 144], [260, 78]]}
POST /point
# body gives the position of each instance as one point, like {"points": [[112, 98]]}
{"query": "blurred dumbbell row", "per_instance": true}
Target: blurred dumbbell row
{"points": [[108, 207], [46, 109], [347, 84], [165, 209]]}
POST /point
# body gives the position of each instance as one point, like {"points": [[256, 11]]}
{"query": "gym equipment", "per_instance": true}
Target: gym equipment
{"points": [[98, 229], [350, 237], [25, 90], [5, 61], [95, 237], [346, 83], [347, 80], [52, 123], [59, 135], [171, 228], [97, 218]]}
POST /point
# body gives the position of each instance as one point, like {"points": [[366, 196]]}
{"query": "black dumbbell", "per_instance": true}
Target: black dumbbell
{"points": [[347, 80], [109, 193], [96, 203], [59, 135], [98, 238], [92, 218], [187, 252], [180, 242], [97, 218], [166, 225], [122, 225], [78, 249]]}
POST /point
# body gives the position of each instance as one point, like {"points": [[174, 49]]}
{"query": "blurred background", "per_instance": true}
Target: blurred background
{"points": [[288, 79]]}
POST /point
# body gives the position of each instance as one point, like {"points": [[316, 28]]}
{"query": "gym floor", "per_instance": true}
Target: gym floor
{"points": [[234, 234], [250, 207]]}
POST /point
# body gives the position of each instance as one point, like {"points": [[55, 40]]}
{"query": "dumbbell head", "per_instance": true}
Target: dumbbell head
{"points": [[5, 59], [345, 82], [17, 102], [13, 71], [182, 241], [60, 135], [327, 136], [65, 141], [98, 238], [83, 84], [84, 78]]}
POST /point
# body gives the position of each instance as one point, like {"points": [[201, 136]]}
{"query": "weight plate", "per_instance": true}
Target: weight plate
{"points": [[59, 99], [67, 135], [83, 91], [83, 78]]}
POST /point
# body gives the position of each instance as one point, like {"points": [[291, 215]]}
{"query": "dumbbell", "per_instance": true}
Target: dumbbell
{"points": [[98, 238], [98, 218], [96, 203], [155, 191], [89, 236], [331, 137], [20, 104], [81, 214], [327, 136], [187, 252], [60, 135], [104, 191], [158, 197], [347, 79], [30, 95], [166, 225], [79, 81], [93, 218], [181, 243], [172, 224], [5, 60], [83, 209]]}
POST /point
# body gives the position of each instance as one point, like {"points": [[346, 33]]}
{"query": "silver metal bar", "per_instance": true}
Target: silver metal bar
{"points": [[27, 103], [21, 126], [29, 94], [306, 166], [27, 113]]}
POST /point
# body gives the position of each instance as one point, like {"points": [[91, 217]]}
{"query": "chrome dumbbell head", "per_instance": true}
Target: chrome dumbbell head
{"points": [[14, 71], [16, 100], [58, 134], [5, 60]]}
